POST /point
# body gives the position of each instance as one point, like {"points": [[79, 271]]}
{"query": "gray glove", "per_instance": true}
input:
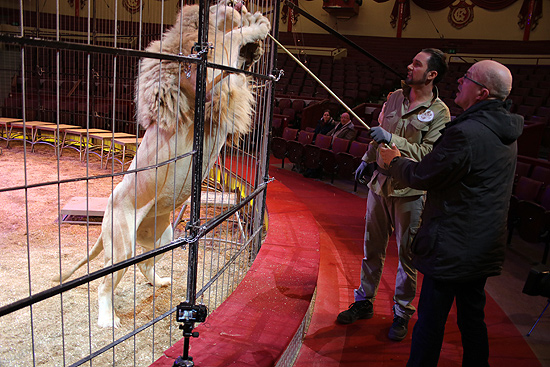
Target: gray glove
{"points": [[361, 170], [380, 135]]}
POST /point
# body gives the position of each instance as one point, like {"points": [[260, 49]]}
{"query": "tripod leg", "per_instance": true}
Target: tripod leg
{"points": [[536, 322]]}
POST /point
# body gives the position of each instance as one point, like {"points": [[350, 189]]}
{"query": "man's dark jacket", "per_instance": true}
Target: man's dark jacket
{"points": [[468, 177]]}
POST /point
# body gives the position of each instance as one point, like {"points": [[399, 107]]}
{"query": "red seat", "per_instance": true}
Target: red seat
{"points": [[285, 103], [526, 111], [279, 145], [308, 91], [340, 145], [545, 198], [323, 141], [298, 105], [543, 111], [328, 162], [541, 174], [530, 140], [534, 225], [293, 89], [358, 149], [290, 134], [305, 137], [532, 101], [522, 169], [295, 152], [291, 115], [347, 164], [527, 188], [277, 126]]}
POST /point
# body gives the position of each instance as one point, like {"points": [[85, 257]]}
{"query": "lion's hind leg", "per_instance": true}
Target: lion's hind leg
{"points": [[106, 314], [145, 239]]}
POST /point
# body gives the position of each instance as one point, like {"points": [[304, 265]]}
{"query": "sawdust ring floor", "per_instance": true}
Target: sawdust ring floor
{"points": [[63, 329]]}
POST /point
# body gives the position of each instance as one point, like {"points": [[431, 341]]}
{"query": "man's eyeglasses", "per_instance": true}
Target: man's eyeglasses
{"points": [[465, 76]]}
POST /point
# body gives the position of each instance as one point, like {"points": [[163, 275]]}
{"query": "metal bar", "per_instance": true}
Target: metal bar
{"points": [[124, 338], [107, 175], [198, 146], [227, 264], [63, 45], [202, 231], [320, 82]]}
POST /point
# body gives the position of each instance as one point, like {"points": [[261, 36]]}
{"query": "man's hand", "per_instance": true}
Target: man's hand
{"points": [[360, 171], [380, 135], [388, 154]]}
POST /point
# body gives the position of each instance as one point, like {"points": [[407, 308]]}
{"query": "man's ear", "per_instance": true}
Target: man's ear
{"points": [[432, 74], [484, 94]]}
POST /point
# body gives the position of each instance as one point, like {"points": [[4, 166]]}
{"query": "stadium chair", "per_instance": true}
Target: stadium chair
{"points": [[296, 148], [530, 140], [284, 103], [348, 162], [312, 152], [526, 189], [279, 144], [534, 225], [291, 115], [541, 174], [525, 110], [340, 145], [523, 169]]}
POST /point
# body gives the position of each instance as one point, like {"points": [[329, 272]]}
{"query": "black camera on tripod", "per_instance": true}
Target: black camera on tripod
{"points": [[538, 282], [187, 312]]}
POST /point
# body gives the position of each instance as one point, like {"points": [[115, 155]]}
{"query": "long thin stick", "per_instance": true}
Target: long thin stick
{"points": [[320, 82]]}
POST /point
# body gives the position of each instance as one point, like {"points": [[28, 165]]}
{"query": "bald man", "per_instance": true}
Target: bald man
{"points": [[344, 129], [461, 242]]}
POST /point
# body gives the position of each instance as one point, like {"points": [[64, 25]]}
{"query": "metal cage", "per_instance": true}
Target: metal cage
{"points": [[70, 121]]}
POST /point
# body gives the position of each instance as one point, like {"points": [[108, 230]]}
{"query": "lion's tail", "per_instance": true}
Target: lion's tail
{"points": [[96, 250]]}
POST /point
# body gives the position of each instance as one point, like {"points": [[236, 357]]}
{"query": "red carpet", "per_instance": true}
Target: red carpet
{"points": [[341, 219]]}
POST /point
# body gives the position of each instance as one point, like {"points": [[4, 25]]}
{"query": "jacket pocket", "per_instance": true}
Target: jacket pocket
{"points": [[424, 240]]}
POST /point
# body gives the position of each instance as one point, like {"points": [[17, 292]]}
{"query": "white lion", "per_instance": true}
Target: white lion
{"points": [[166, 95]]}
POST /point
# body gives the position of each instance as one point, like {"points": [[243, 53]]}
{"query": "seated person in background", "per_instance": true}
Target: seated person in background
{"points": [[325, 124], [344, 129]]}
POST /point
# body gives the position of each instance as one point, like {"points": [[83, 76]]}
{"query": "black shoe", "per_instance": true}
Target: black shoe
{"points": [[357, 310], [398, 330]]}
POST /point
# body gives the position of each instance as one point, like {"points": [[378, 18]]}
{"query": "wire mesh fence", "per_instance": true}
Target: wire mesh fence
{"points": [[138, 131]]}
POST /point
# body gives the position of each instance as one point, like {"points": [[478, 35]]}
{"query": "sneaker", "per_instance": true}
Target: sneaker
{"points": [[398, 330], [357, 310]]}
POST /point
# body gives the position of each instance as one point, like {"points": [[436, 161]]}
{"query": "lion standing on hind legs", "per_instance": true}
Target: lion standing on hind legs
{"points": [[139, 207]]}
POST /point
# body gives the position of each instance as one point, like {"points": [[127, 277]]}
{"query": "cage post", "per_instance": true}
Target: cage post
{"points": [[201, 47]]}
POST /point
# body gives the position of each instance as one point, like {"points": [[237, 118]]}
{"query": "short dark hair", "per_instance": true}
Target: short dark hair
{"points": [[437, 62]]}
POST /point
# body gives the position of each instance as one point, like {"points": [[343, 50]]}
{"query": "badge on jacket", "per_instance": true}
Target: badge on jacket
{"points": [[426, 116]]}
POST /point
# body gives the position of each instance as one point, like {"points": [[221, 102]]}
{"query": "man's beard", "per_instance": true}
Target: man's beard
{"points": [[411, 82]]}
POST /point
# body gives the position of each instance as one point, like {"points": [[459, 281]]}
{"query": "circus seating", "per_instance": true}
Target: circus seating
{"points": [[312, 152], [530, 140], [295, 148], [347, 162], [529, 211], [279, 144]]}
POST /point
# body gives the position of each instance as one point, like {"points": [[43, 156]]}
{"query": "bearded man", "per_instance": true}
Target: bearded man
{"points": [[411, 119]]}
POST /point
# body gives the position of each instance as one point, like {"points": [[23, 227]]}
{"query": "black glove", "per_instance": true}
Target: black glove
{"points": [[380, 135]]}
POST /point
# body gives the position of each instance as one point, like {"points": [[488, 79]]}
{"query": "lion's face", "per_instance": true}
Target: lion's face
{"points": [[227, 14]]}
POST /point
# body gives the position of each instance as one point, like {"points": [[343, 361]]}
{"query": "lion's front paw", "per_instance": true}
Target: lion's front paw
{"points": [[260, 26]]}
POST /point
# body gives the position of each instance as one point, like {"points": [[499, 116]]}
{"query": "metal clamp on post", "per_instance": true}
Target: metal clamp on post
{"points": [[277, 74], [201, 49]]}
